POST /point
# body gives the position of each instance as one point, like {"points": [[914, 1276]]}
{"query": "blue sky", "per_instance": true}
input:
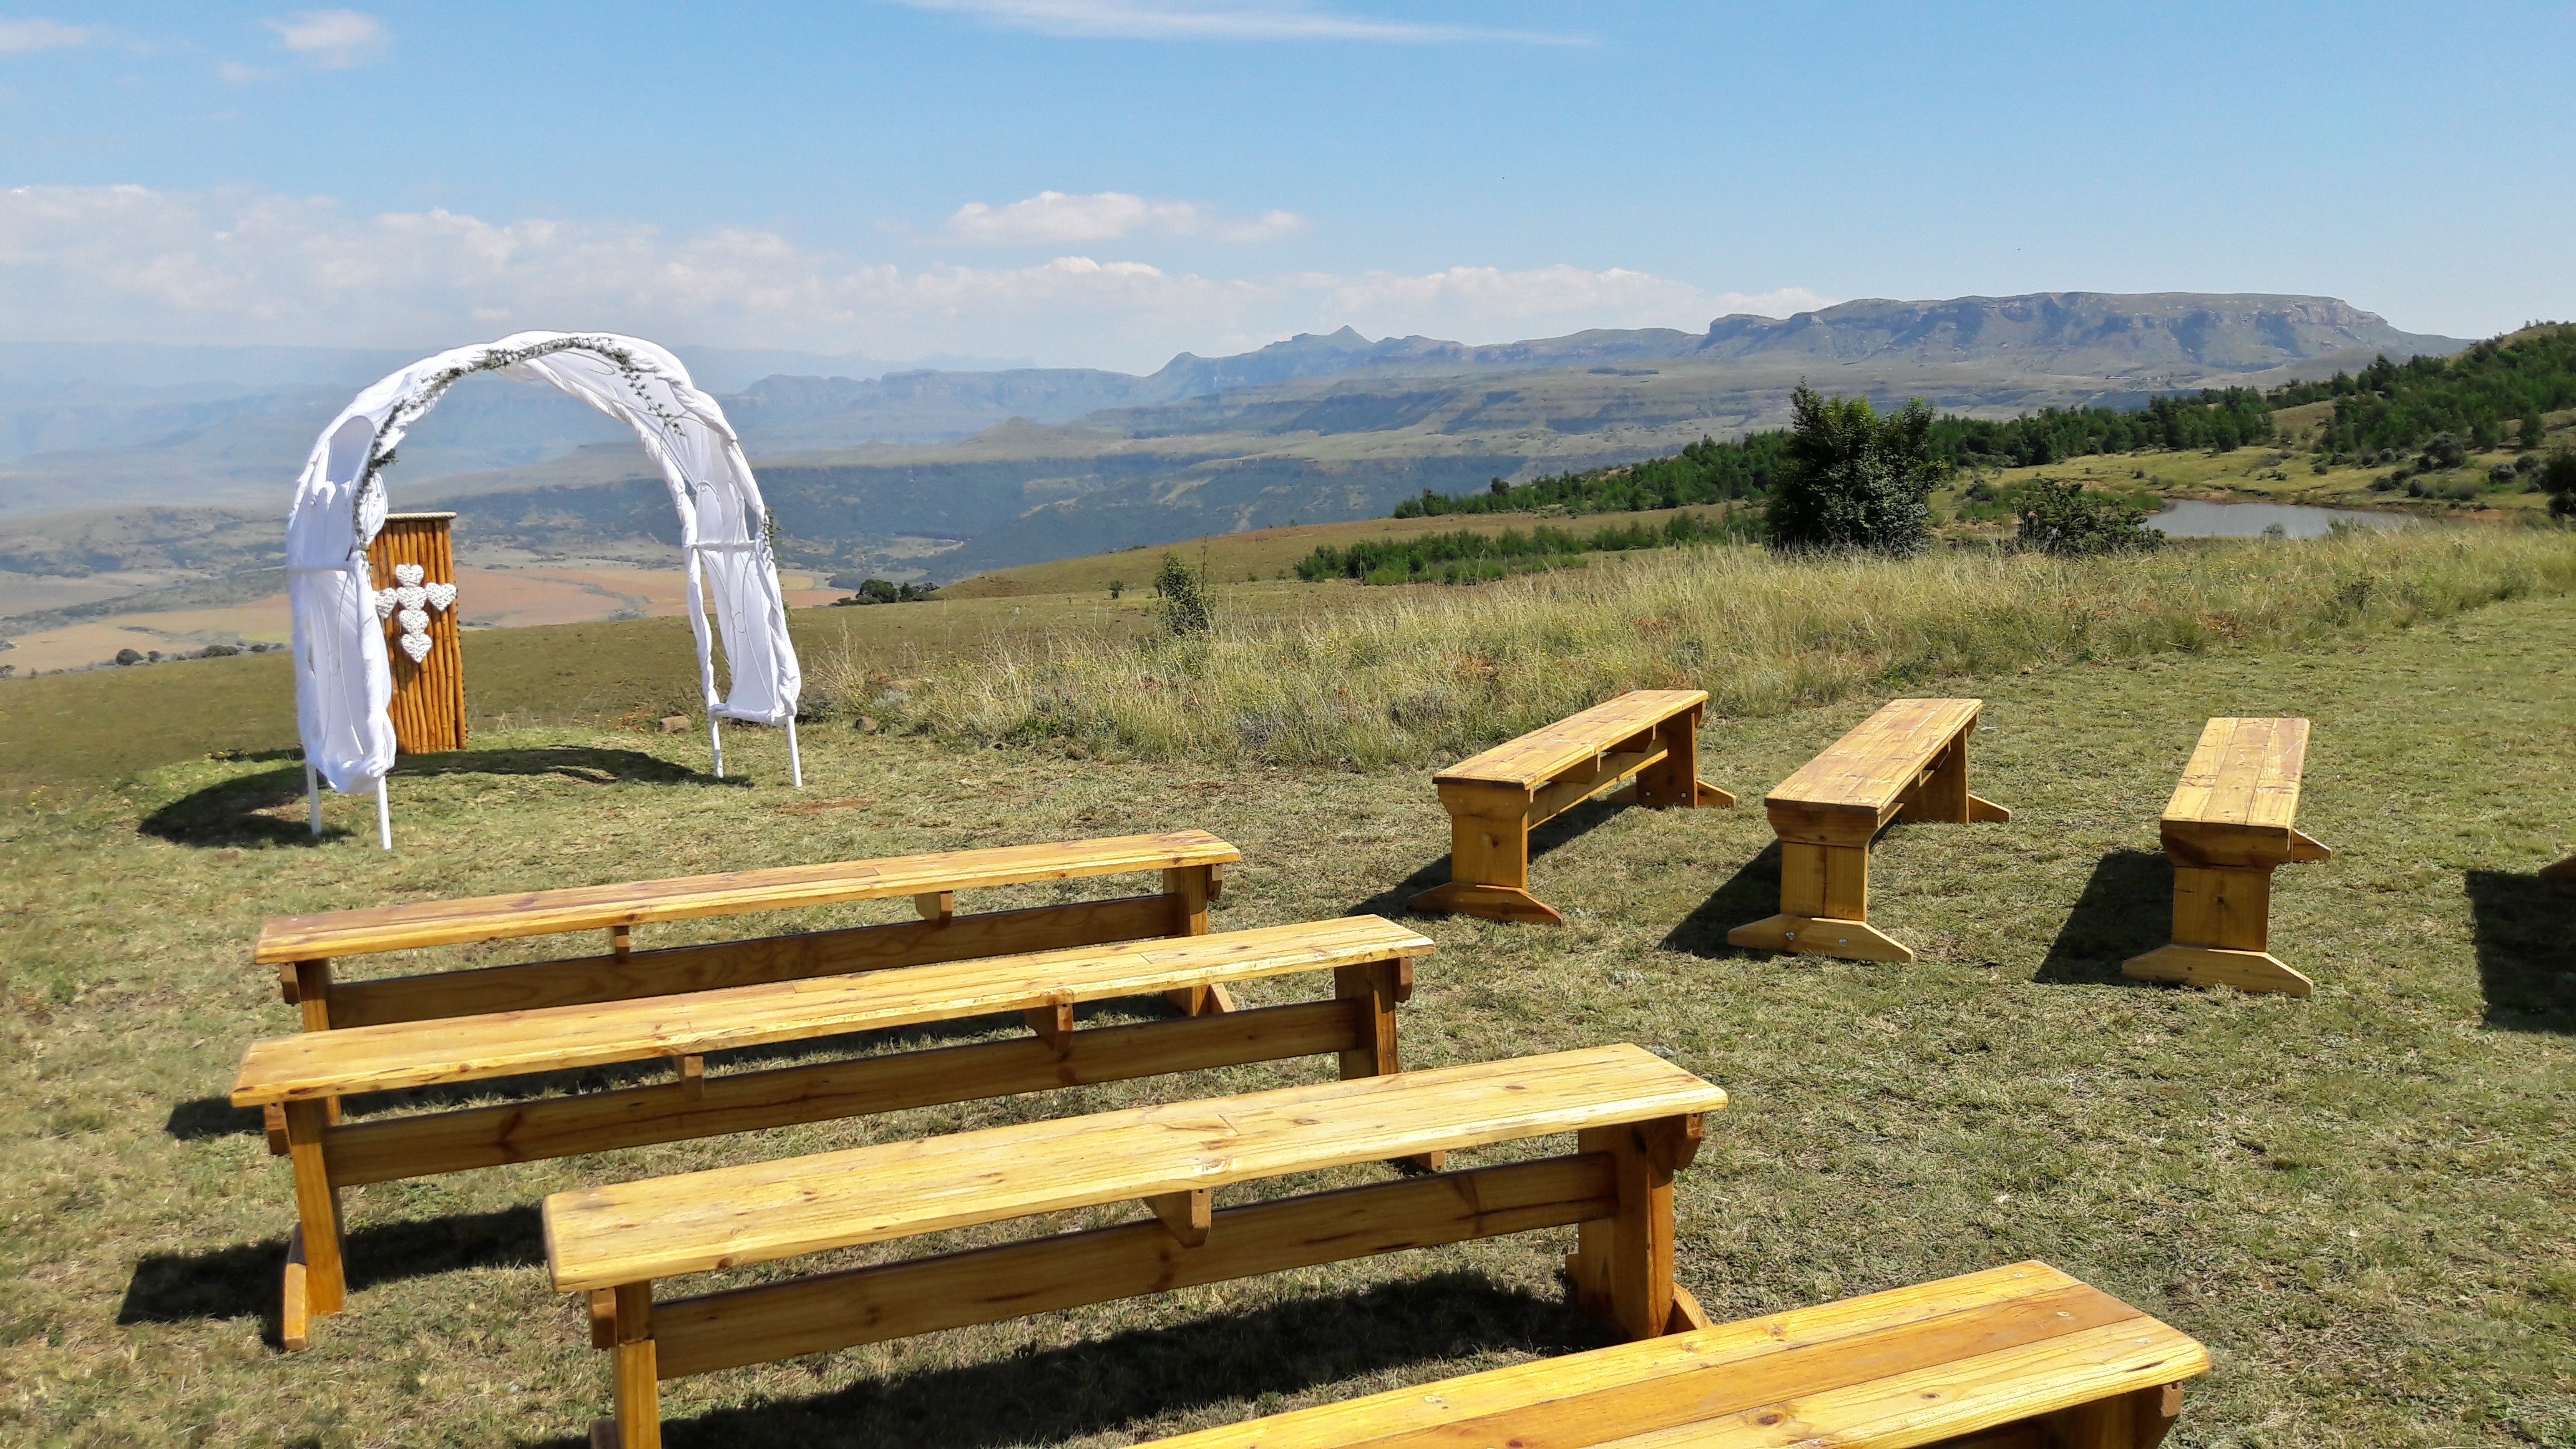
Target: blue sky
{"points": [[1109, 181]]}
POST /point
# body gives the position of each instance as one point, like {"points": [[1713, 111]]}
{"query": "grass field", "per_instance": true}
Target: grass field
{"points": [[2359, 1201]]}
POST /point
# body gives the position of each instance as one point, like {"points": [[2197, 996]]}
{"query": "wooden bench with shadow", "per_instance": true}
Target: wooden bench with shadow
{"points": [[1909, 761], [1637, 1120], [2227, 828], [1495, 799], [2022, 1357], [303, 948], [1371, 960]]}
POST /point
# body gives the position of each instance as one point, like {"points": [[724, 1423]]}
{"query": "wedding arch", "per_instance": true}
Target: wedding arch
{"points": [[343, 676]]}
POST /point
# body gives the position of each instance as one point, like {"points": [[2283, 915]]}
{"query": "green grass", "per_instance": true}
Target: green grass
{"points": [[2359, 1201]]}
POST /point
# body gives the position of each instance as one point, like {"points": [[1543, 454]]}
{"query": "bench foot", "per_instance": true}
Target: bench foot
{"points": [[1687, 1315], [1982, 811], [1818, 936], [2209, 966], [295, 1315], [1708, 797], [2564, 870], [1494, 903]]}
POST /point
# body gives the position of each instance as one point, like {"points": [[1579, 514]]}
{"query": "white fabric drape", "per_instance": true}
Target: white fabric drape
{"points": [[343, 680]]}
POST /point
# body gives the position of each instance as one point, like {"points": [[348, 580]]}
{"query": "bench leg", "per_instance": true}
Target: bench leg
{"points": [[316, 1284], [1191, 887], [311, 996], [1824, 908], [638, 1424], [1945, 796], [1674, 781], [1377, 986], [1488, 873], [1622, 1267], [2564, 870], [2129, 1421], [2221, 934]]}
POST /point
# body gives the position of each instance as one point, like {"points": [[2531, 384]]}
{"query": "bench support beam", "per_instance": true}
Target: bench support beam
{"points": [[316, 1284], [988, 1285], [392, 1148], [1622, 1266], [2564, 870], [1190, 889]]}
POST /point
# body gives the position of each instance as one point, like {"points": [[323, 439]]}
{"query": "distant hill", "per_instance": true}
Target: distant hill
{"points": [[950, 472]]}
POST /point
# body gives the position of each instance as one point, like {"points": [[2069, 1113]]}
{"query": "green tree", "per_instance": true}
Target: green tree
{"points": [[2558, 480], [2061, 518], [1187, 609], [1854, 479], [2532, 428]]}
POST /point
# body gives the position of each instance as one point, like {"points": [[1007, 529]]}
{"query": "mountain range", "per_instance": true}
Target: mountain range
{"points": [[947, 471]]}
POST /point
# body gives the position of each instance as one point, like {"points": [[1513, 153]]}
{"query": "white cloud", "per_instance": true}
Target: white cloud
{"points": [[1219, 20], [332, 39], [126, 263], [1052, 218], [20, 36], [236, 73]]}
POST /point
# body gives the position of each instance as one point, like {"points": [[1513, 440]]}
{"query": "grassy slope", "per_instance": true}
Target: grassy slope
{"points": [[2249, 474], [2358, 1200]]}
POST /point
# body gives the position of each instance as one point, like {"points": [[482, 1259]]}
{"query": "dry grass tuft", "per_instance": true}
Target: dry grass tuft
{"points": [[1447, 672]]}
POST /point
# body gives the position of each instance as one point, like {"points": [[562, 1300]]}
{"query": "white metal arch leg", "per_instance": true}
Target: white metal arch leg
{"points": [[795, 762], [313, 797], [384, 817], [715, 742]]}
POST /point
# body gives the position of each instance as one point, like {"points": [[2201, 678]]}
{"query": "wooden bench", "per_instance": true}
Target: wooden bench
{"points": [[2227, 828], [1372, 961], [1909, 761], [303, 947], [1495, 799], [2563, 870], [2023, 1357], [1637, 1118]]}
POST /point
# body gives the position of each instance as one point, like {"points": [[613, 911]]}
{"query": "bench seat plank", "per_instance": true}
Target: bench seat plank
{"points": [[402, 1055], [1550, 750], [697, 1222], [1887, 1371], [1871, 768], [537, 913]]}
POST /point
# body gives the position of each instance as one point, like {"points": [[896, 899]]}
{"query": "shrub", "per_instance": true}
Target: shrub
{"points": [[2444, 451], [1854, 480], [217, 651], [2062, 519], [129, 656], [2558, 480], [1187, 609]]}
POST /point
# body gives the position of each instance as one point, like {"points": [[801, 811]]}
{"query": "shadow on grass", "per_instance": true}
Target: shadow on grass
{"points": [[267, 808], [1570, 826], [244, 1281], [2126, 910], [201, 1118], [1751, 894], [2526, 940], [1083, 1389]]}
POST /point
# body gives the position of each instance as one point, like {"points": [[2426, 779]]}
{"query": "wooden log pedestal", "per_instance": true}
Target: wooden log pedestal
{"points": [[1908, 761], [2227, 828], [428, 705]]}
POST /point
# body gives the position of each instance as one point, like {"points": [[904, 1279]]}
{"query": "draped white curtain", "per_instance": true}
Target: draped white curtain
{"points": [[343, 680]]}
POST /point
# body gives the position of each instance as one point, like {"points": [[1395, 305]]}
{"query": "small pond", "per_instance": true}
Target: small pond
{"points": [[2194, 518]]}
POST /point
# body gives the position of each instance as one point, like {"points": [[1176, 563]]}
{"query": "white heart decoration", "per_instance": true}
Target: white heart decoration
{"points": [[411, 595], [384, 603], [414, 621], [409, 575], [440, 595], [415, 645]]}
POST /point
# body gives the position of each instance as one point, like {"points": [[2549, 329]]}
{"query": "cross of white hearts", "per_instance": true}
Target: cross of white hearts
{"points": [[414, 599]]}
